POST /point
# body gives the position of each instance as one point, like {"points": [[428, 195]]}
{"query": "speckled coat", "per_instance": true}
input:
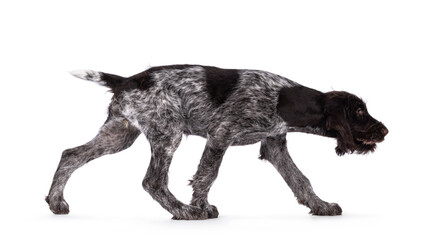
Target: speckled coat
{"points": [[228, 107]]}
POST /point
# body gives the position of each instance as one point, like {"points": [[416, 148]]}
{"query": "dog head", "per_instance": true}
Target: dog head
{"points": [[348, 120]]}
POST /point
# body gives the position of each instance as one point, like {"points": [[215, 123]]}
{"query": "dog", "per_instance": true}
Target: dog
{"points": [[229, 107]]}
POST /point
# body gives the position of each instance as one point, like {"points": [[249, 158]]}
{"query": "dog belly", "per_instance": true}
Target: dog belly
{"points": [[250, 138], [198, 128]]}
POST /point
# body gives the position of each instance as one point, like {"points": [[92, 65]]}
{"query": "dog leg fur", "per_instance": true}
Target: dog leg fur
{"points": [[206, 175], [274, 149], [156, 180], [114, 136]]}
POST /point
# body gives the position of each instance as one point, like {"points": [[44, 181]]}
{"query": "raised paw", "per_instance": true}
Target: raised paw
{"points": [[326, 209], [190, 213], [58, 205]]}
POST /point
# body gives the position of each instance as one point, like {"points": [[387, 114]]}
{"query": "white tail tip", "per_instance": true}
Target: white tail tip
{"points": [[87, 75]]}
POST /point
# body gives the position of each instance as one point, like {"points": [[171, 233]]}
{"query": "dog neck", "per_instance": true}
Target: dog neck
{"points": [[302, 109]]}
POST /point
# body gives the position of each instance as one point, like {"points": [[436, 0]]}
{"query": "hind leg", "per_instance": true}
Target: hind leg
{"points": [[156, 180], [114, 136], [207, 173]]}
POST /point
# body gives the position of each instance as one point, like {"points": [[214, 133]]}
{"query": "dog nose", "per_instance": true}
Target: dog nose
{"points": [[384, 131]]}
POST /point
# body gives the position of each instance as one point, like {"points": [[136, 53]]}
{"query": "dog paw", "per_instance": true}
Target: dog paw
{"points": [[58, 205], [212, 211], [326, 209], [190, 213]]}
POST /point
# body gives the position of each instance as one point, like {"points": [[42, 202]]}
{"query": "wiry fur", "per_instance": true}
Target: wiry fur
{"points": [[228, 107]]}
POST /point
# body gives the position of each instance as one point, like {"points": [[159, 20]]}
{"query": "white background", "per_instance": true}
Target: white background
{"points": [[387, 52]]}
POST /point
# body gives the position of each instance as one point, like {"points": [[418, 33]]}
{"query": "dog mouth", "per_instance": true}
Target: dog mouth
{"points": [[368, 141]]}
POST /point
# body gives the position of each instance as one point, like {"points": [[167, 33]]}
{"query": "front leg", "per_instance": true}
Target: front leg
{"points": [[274, 149]]}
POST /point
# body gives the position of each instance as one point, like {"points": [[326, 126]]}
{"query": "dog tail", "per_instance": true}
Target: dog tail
{"points": [[105, 79]]}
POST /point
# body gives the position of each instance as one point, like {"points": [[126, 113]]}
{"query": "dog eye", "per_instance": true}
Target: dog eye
{"points": [[360, 112]]}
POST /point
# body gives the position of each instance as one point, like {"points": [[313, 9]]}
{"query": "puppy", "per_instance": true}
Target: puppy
{"points": [[227, 107]]}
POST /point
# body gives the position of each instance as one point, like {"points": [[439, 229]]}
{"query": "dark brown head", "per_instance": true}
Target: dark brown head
{"points": [[348, 120]]}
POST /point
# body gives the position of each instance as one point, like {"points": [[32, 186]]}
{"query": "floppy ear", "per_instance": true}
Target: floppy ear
{"points": [[336, 120]]}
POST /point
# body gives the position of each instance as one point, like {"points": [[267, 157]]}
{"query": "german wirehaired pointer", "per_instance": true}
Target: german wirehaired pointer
{"points": [[229, 108]]}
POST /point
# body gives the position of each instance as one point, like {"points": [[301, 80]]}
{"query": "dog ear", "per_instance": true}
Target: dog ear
{"points": [[336, 108]]}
